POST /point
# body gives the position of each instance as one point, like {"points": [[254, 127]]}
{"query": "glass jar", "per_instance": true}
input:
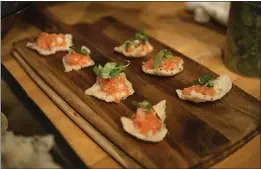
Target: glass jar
{"points": [[244, 38]]}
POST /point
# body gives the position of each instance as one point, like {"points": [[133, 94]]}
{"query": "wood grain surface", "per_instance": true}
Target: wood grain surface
{"points": [[134, 14], [199, 134], [109, 147], [168, 22]]}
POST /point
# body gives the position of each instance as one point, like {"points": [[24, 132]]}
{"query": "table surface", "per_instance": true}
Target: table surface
{"points": [[147, 12]]}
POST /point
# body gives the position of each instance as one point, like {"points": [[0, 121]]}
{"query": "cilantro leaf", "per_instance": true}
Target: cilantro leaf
{"points": [[159, 56], [144, 105], [205, 80], [81, 51], [139, 35], [97, 70], [158, 59], [110, 69]]}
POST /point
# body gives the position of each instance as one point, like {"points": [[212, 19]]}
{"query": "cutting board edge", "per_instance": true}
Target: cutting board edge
{"points": [[207, 68], [42, 84]]}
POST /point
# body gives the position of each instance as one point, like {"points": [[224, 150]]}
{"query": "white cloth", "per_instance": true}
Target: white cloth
{"points": [[205, 11]]}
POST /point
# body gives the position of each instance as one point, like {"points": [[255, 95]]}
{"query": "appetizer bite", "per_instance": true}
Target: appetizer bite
{"points": [[111, 83], [47, 44], [163, 64], [148, 122], [77, 59], [206, 89], [137, 46]]}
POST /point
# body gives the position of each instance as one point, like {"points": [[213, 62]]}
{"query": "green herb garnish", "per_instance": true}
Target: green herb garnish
{"points": [[159, 56], [139, 35], [144, 105], [205, 80], [81, 51], [110, 69], [128, 42]]}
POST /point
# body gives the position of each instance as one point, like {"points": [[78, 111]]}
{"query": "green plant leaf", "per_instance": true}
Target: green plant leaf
{"points": [[97, 70], [168, 56], [210, 83], [110, 65], [106, 70], [79, 50], [158, 59], [84, 51], [115, 72], [205, 80], [144, 105], [159, 56], [110, 69], [105, 75], [128, 42], [140, 35]]}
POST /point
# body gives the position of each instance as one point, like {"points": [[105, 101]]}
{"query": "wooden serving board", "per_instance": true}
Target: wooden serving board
{"points": [[168, 22], [102, 141], [199, 134]]}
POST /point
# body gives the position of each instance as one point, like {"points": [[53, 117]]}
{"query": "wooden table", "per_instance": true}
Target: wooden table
{"points": [[206, 52]]}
